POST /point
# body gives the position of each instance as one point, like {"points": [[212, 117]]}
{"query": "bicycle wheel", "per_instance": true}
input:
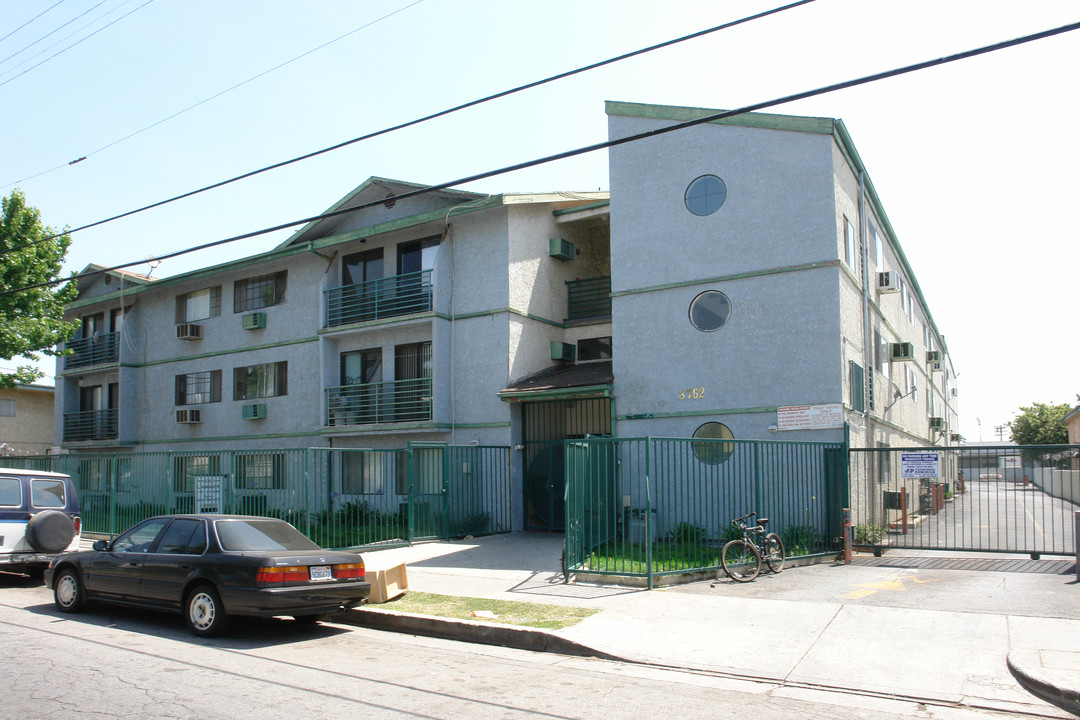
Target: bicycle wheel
{"points": [[774, 552], [741, 561]]}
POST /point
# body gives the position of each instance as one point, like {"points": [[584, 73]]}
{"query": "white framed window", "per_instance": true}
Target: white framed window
{"points": [[879, 250], [7, 407], [850, 245], [198, 305]]}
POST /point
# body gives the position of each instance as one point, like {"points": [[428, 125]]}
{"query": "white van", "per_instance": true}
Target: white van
{"points": [[39, 519]]}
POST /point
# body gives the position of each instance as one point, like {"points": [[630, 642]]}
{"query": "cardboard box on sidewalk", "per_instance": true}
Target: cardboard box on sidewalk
{"points": [[386, 582]]}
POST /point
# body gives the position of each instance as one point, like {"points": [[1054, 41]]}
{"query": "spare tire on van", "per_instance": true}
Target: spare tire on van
{"points": [[50, 531]]}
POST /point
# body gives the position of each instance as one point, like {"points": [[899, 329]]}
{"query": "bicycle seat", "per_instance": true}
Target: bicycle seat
{"points": [[762, 521]]}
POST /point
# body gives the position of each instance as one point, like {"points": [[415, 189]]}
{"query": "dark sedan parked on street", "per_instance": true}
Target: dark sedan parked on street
{"points": [[210, 567]]}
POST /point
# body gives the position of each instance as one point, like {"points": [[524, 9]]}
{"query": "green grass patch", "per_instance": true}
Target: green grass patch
{"points": [[507, 612]]}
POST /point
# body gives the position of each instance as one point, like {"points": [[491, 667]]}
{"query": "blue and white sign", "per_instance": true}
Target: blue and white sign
{"points": [[920, 464]]}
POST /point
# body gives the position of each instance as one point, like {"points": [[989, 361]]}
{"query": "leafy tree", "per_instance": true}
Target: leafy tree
{"points": [[31, 321], [1041, 424]]}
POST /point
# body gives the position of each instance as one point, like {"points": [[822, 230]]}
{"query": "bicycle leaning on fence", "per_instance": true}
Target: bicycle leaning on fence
{"points": [[741, 558]]}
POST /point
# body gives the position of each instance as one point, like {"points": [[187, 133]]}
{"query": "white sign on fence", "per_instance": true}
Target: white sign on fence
{"points": [[920, 464], [810, 417], [208, 493]]}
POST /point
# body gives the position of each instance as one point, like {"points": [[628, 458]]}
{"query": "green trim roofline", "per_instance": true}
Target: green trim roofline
{"points": [[792, 123]]}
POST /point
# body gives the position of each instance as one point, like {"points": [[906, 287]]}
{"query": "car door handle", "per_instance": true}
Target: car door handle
{"points": [[184, 567]]}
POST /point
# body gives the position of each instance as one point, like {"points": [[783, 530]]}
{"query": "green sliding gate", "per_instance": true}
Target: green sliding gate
{"points": [[1011, 499], [658, 506]]}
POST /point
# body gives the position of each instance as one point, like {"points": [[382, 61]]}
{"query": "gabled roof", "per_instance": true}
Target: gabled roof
{"points": [[372, 191]]}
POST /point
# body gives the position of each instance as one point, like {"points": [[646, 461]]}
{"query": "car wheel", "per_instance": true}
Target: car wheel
{"points": [[204, 612], [68, 592], [50, 531]]}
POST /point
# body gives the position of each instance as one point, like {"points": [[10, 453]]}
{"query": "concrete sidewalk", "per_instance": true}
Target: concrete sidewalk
{"points": [[906, 633]]}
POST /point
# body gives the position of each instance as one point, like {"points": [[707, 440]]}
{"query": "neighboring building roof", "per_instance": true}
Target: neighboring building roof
{"points": [[1065, 420], [563, 381]]}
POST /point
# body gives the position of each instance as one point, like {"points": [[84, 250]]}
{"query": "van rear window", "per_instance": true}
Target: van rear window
{"points": [[10, 492], [47, 493]]}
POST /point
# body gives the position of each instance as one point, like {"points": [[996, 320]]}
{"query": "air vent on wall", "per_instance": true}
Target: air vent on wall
{"points": [[188, 416], [563, 351], [561, 249], [888, 282], [254, 321], [189, 331], [901, 351]]}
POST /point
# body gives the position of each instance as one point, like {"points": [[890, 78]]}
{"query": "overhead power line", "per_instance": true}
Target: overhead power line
{"points": [[214, 96], [77, 42], [441, 113], [59, 2], [593, 148]]}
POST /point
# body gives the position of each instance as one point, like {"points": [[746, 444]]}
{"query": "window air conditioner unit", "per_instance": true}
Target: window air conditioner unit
{"points": [[255, 412], [561, 249], [254, 321], [933, 356], [955, 437], [936, 367], [188, 417], [563, 351], [937, 423], [189, 331], [888, 282], [953, 392], [901, 351]]}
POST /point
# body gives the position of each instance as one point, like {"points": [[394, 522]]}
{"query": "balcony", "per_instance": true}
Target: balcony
{"points": [[378, 299], [588, 299], [92, 351], [90, 425], [383, 402]]}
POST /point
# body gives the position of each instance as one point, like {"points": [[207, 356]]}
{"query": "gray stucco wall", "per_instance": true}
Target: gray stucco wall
{"points": [[781, 345]]}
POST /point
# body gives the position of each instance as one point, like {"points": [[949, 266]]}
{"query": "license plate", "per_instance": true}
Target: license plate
{"points": [[320, 573]]}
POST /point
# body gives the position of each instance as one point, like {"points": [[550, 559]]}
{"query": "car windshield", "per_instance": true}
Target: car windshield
{"points": [[241, 535]]}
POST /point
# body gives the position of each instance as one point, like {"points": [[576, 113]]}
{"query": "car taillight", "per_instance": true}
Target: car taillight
{"points": [[78, 524], [281, 574], [349, 571]]}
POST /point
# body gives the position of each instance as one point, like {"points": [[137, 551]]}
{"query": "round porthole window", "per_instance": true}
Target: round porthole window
{"points": [[710, 310], [713, 452], [705, 195]]}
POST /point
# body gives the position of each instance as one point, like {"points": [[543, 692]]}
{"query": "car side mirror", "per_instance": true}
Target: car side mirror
{"points": [[101, 545]]}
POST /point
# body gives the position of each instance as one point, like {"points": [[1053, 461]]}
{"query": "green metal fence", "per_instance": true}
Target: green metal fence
{"points": [[1005, 498], [339, 498], [658, 506]]}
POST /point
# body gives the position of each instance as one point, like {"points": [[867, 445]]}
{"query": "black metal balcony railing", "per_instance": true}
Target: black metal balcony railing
{"points": [[90, 425], [589, 298], [382, 402], [93, 350], [376, 299]]}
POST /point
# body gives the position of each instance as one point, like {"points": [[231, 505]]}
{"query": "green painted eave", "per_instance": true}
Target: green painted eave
{"points": [[556, 393], [581, 208]]}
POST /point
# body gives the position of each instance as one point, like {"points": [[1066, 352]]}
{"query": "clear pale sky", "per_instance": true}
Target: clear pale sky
{"points": [[975, 162]]}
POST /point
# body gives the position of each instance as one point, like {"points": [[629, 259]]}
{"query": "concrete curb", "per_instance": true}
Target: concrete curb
{"points": [[512, 636], [1056, 686]]}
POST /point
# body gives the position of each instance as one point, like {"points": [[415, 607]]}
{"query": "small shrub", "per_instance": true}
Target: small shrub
{"points": [[686, 533], [800, 539], [869, 534]]}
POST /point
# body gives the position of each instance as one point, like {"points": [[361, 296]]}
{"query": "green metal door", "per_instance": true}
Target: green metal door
{"points": [[545, 425], [427, 492], [591, 498]]}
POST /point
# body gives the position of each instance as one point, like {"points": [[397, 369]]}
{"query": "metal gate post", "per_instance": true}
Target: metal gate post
{"points": [[1076, 541], [847, 536]]}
